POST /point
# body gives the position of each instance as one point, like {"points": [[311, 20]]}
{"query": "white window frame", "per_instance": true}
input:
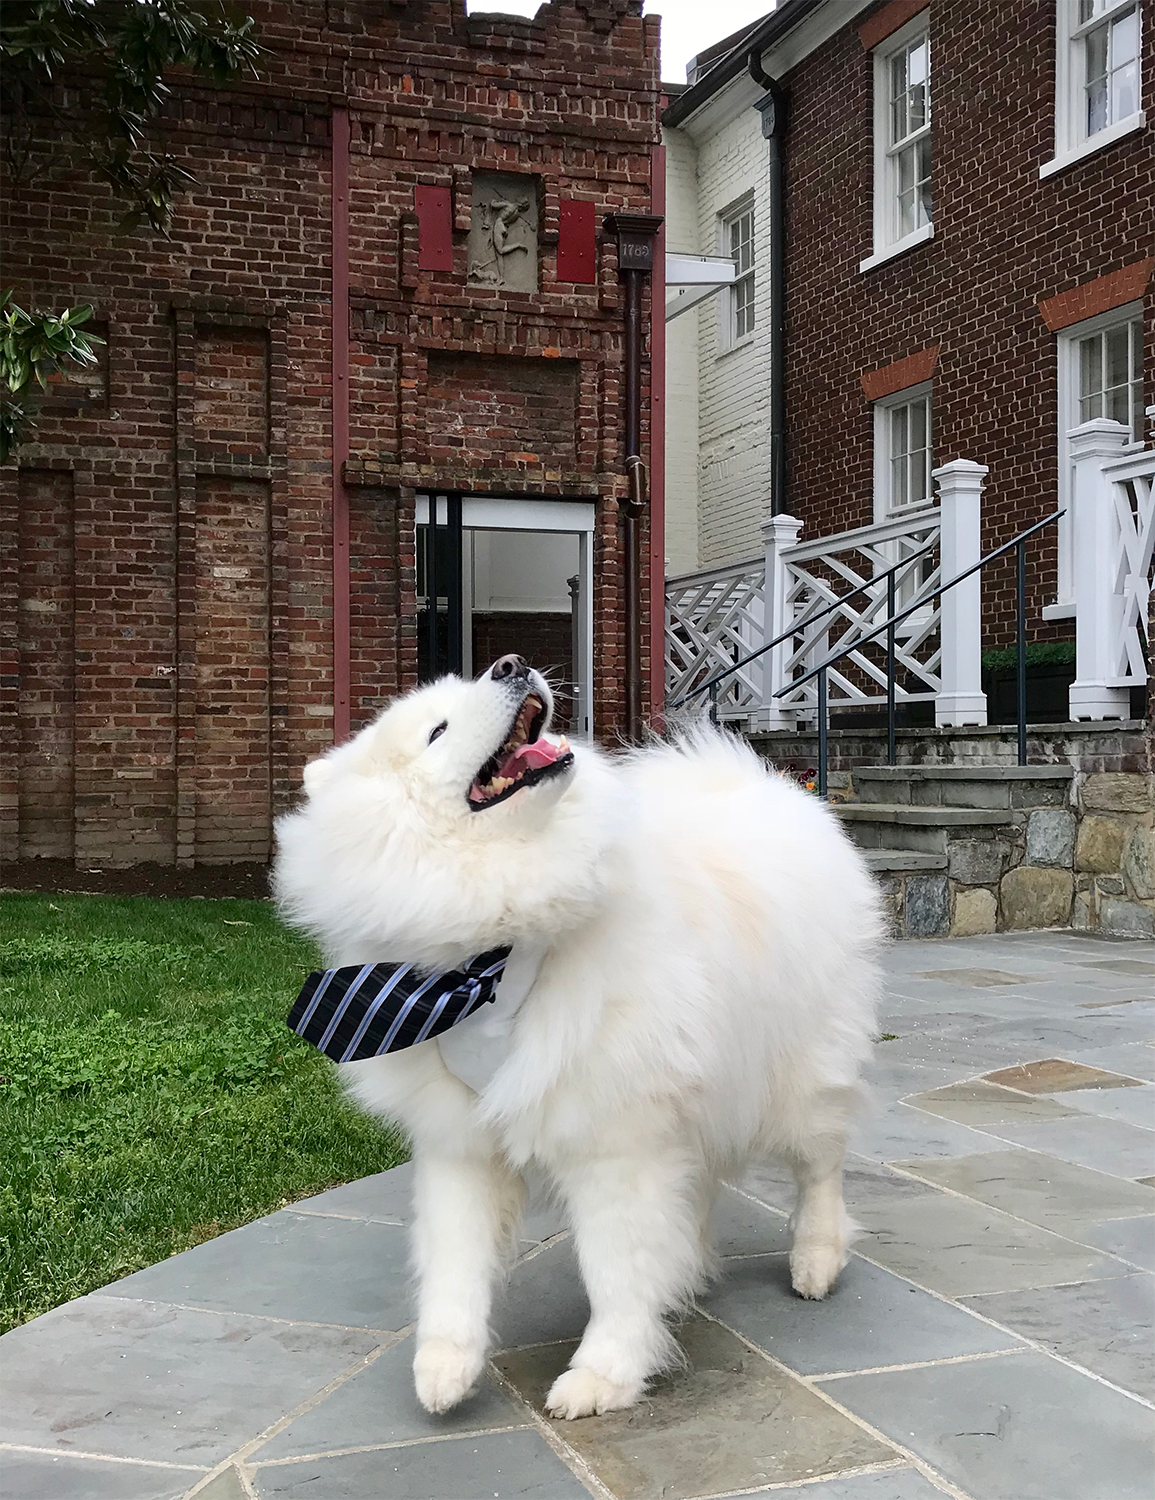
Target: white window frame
{"points": [[886, 241], [728, 337], [883, 510], [1072, 142], [1067, 350]]}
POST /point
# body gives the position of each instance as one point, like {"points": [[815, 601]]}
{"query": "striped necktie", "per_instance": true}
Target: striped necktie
{"points": [[366, 1010]]}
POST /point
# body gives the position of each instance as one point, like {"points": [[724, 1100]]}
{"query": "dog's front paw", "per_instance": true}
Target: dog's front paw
{"points": [[445, 1373], [814, 1267], [585, 1393]]}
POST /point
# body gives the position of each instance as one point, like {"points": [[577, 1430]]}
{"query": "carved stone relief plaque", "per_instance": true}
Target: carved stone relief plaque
{"points": [[503, 237]]}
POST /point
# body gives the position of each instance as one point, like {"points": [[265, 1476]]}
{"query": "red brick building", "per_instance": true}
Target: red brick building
{"points": [[390, 282], [969, 225]]}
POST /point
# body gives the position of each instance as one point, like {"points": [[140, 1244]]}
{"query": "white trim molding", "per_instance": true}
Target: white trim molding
{"points": [[900, 247], [913, 139], [1105, 28], [1067, 342]]}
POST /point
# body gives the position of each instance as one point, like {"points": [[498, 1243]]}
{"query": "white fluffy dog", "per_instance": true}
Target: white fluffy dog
{"points": [[692, 987]]}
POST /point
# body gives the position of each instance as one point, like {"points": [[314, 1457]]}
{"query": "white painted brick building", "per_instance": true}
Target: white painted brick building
{"points": [[718, 391]]}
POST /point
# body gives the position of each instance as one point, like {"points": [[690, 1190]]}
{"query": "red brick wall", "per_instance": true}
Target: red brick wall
{"points": [[545, 640], [45, 639], [507, 412], [1004, 240], [176, 506]]}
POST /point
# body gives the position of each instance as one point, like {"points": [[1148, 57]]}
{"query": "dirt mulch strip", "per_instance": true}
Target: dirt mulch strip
{"points": [[249, 881]]}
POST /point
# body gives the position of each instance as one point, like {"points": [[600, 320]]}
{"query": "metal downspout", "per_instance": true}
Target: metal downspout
{"points": [[772, 108], [340, 435]]}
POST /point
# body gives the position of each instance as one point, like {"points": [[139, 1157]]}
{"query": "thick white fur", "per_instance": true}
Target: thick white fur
{"points": [[706, 1000]]}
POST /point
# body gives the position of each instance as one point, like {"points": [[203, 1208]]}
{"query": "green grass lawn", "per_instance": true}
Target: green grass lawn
{"points": [[151, 1095]]}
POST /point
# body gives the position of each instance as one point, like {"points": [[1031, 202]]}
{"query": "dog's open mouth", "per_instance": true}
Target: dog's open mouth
{"points": [[523, 760]]}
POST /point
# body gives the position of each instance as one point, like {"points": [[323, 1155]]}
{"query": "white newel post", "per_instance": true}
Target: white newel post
{"points": [[1098, 604], [779, 534], [961, 699]]}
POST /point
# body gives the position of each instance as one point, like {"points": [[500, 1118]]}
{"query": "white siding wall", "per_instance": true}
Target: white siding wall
{"points": [[734, 385], [682, 364]]}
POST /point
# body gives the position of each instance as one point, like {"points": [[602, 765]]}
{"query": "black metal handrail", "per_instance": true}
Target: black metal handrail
{"points": [[1019, 545], [711, 684]]}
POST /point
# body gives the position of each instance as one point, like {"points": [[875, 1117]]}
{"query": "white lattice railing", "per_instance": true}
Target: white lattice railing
{"points": [[717, 616], [713, 618], [829, 568], [1113, 531], [1132, 481]]}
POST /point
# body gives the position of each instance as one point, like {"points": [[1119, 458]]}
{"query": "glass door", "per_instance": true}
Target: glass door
{"points": [[508, 575]]}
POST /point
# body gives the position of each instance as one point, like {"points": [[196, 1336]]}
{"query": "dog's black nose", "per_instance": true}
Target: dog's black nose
{"points": [[510, 666]]}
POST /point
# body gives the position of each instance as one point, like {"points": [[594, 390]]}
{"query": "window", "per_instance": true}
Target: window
{"points": [[903, 195], [903, 450], [1097, 77], [738, 243], [1100, 375], [1111, 376], [903, 461]]}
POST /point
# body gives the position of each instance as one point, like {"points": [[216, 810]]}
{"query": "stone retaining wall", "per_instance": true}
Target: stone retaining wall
{"points": [[1088, 864]]}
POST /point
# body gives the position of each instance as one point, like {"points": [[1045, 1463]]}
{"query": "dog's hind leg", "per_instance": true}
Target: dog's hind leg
{"points": [[822, 1228], [637, 1226], [468, 1205]]}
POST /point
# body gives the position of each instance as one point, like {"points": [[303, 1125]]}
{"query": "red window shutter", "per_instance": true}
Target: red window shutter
{"points": [[434, 228], [576, 241]]}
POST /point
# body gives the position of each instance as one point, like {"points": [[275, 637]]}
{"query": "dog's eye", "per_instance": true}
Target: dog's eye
{"points": [[436, 734]]}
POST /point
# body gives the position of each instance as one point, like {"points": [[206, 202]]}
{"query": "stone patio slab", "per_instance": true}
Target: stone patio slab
{"points": [[1133, 1106], [508, 1465], [54, 1476], [970, 978], [142, 1380], [960, 1249], [1108, 1327], [897, 1131], [1133, 1060], [275, 1267], [862, 1181], [1052, 1075], [383, 1198], [871, 1318], [1053, 1194], [1103, 1145], [378, 1405], [544, 1301], [1131, 1239], [1019, 1427], [386, 1198], [982, 1103], [727, 1421], [740, 1227], [890, 1484]]}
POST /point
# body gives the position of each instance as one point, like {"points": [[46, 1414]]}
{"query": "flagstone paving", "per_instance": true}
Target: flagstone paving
{"points": [[991, 1339]]}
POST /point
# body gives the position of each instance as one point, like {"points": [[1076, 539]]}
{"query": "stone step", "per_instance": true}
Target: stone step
{"points": [[899, 825], [902, 861], [964, 786]]}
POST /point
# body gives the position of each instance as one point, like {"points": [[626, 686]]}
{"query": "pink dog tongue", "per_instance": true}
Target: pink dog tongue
{"points": [[529, 758]]}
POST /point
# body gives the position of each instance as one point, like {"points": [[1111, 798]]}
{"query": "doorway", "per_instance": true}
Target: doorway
{"points": [[496, 575]]}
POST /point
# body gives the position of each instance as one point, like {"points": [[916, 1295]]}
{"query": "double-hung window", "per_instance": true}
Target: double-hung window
{"points": [[903, 460], [737, 236], [902, 435], [1100, 375], [1097, 79], [903, 191]]}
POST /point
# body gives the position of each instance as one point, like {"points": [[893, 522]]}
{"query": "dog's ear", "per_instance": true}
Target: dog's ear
{"points": [[317, 774]]}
